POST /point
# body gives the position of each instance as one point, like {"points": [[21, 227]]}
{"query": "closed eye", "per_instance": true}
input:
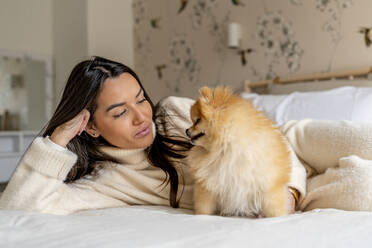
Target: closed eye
{"points": [[118, 115], [142, 100]]}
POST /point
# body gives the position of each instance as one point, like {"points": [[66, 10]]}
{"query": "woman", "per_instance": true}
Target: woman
{"points": [[102, 149]]}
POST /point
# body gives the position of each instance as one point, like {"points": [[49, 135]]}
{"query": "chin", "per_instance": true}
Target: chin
{"points": [[145, 141]]}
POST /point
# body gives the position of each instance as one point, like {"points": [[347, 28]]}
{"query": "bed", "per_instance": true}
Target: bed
{"points": [[154, 226], [159, 226]]}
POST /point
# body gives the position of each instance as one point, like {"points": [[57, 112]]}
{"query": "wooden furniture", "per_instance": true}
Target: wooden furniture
{"points": [[349, 74], [12, 146]]}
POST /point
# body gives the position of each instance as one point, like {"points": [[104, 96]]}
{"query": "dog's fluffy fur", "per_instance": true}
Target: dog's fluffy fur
{"points": [[240, 161]]}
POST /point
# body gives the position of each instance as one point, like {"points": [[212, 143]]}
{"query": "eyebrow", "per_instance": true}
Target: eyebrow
{"points": [[121, 103], [139, 92]]}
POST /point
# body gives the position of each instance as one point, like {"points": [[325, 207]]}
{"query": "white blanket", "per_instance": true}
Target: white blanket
{"points": [[340, 153], [154, 226]]}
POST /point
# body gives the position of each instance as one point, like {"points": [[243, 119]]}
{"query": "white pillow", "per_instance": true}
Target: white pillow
{"points": [[344, 103]]}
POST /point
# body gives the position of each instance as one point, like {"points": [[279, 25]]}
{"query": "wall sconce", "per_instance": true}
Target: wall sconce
{"points": [[233, 35]]}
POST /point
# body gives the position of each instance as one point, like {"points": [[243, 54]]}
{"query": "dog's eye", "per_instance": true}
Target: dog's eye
{"points": [[197, 121]]}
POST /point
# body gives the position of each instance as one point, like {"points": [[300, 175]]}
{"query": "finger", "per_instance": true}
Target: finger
{"points": [[76, 121], [85, 112], [85, 121], [83, 125]]}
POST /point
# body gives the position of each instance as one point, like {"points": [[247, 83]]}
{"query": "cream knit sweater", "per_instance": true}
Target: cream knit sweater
{"points": [[37, 184], [339, 154]]}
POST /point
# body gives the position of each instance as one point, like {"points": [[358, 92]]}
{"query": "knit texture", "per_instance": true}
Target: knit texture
{"points": [[340, 155], [52, 163]]}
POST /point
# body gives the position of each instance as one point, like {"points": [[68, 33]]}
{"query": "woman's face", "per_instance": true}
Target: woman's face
{"points": [[123, 116]]}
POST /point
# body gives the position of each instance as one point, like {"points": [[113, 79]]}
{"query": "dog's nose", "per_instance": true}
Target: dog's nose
{"points": [[188, 133]]}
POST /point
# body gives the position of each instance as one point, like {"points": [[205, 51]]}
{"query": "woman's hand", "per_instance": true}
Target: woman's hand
{"points": [[68, 130]]}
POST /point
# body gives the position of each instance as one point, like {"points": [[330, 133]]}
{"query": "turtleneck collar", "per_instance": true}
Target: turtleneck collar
{"points": [[127, 156]]}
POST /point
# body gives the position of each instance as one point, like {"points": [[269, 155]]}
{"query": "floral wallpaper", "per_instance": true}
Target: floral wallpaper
{"points": [[181, 45], [278, 43]]}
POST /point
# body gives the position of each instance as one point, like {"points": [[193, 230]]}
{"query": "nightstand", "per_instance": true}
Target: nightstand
{"points": [[12, 146]]}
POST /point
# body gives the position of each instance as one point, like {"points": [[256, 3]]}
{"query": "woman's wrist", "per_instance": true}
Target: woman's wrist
{"points": [[58, 139], [50, 143]]}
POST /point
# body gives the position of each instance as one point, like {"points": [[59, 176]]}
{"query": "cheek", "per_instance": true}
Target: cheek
{"points": [[111, 128], [148, 109], [118, 132]]}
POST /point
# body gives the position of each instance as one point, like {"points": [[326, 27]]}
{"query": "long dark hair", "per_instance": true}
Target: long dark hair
{"points": [[81, 91]]}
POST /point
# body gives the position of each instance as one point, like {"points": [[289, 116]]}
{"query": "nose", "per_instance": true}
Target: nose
{"points": [[138, 117], [188, 132]]}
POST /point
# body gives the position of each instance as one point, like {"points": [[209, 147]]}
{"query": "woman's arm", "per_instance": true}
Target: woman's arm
{"points": [[37, 184]]}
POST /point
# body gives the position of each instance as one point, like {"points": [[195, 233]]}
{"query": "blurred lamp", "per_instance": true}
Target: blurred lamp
{"points": [[234, 35]]}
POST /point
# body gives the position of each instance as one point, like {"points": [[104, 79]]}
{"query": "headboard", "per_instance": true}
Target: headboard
{"points": [[349, 75]]}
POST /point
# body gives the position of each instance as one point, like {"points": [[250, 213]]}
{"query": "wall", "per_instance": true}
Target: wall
{"points": [[26, 26], [110, 30], [35, 87], [69, 39], [178, 50]]}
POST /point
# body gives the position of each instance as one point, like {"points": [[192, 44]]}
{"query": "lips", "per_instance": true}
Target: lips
{"points": [[144, 131]]}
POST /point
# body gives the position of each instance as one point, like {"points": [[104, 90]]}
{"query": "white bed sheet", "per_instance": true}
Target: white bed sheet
{"points": [[155, 226]]}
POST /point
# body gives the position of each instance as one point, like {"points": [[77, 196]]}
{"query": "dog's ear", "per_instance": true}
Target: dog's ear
{"points": [[206, 94]]}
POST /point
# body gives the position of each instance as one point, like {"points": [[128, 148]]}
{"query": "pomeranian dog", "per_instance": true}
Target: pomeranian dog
{"points": [[240, 161]]}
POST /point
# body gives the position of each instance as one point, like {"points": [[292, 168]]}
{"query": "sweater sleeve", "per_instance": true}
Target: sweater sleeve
{"points": [[38, 184], [298, 175], [173, 116], [50, 143]]}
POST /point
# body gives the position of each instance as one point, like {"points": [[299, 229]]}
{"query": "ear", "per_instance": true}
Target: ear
{"points": [[205, 94], [92, 130]]}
